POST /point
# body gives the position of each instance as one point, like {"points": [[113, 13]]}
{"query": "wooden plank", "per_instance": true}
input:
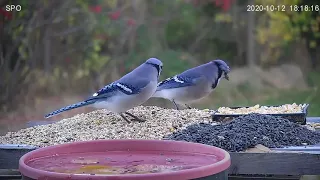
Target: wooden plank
{"points": [[7, 174], [230, 177], [11, 153], [313, 119], [312, 149], [275, 163], [261, 177]]}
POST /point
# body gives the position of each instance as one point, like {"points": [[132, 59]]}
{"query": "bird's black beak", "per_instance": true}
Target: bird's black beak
{"points": [[226, 76]]}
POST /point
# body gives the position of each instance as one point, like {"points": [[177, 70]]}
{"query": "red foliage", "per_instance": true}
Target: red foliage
{"points": [[218, 2], [115, 15], [101, 36], [195, 2], [225, 4], [6, 14], [122, 68], [96, 9], [68, 60], [131, 22]]}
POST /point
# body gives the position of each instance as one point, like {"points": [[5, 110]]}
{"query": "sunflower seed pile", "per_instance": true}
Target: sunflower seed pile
{"points": [[285, 108], [248, 131], [102, 124]]}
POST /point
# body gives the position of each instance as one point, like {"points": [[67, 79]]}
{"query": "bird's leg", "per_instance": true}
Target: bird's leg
{"points": [[135, 117], [188, 106], [125, 118], [175, 104]]}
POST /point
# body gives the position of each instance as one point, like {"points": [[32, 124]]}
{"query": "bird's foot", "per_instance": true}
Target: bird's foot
{"points": [[135, 118], [176, 105], [189, 107], [138, 120], [125, 118]]}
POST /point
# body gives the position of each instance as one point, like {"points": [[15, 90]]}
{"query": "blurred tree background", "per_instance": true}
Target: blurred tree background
{"points": [[53, 53]]}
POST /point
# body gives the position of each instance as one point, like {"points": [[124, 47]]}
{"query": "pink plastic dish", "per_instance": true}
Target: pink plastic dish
{"points": [[75, 160]]}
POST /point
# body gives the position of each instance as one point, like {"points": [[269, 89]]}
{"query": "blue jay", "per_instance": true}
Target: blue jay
{"points": [[193, 84], [131, 90]]}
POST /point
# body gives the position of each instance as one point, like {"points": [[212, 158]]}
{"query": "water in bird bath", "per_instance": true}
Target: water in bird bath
{"points": [[121, 162]]}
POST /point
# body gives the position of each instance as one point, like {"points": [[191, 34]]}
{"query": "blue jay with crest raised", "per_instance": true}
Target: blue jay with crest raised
{"points": [[193, 84], [133, 89]]}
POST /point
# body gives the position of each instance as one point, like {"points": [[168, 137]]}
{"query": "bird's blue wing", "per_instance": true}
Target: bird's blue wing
{"points": [[177, 81], [125, 86], [105, 92], [131, 86]]}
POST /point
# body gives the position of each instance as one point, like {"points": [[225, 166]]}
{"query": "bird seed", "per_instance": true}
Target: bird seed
{"points": [[102, 124], [248, 131], [286, 108]]}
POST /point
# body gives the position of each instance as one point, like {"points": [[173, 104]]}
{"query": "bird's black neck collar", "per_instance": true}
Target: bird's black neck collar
{"points": [[220, 72], [154, 65]]}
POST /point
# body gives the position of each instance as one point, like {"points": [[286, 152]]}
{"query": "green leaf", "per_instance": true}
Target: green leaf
{"points": [[313, 44], [317, 34], [305, 28], [97, 47]]}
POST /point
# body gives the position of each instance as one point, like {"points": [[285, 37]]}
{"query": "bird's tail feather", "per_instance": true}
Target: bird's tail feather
{"points": [[72, 106]]}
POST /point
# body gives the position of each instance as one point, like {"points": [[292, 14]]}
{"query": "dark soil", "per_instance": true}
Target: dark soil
{"points": [[247, 131]]}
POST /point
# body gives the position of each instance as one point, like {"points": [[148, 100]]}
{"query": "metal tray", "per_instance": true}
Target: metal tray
{"points": [[299, 118]]}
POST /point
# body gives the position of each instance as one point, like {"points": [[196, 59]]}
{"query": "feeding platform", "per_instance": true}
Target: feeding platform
{"points": [[255, 163]]}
